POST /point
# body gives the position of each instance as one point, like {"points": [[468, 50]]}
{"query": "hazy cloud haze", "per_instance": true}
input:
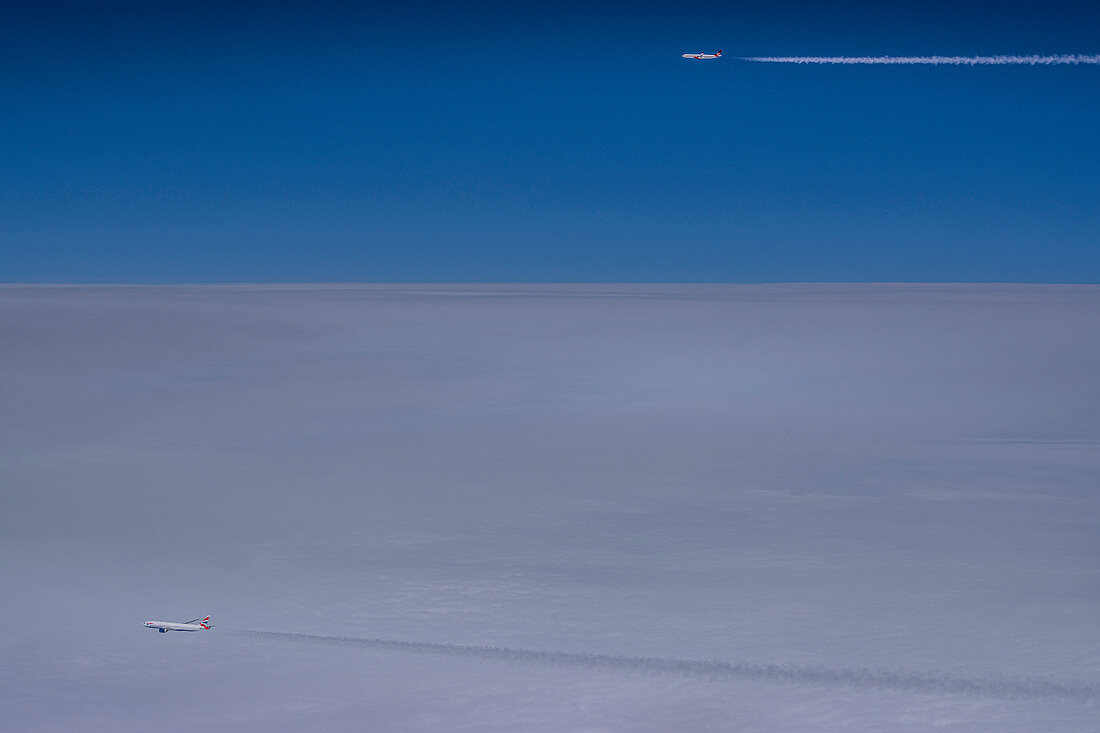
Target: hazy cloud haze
{"points": [[788, 507]]}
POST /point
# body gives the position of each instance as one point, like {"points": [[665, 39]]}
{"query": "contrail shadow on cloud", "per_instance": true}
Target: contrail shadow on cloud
{"points": [[1034, 60], [851, 677]]}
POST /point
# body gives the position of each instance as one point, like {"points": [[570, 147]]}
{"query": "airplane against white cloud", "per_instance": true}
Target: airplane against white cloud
{"points": [[195, 624], [702, 55]]}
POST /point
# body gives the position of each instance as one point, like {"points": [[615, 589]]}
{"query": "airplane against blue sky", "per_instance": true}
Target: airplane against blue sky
{"points": [[151, 142], [703, 55]]}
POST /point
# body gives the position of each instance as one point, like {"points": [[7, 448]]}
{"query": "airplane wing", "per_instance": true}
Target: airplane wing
{"points": [[193, 621]]}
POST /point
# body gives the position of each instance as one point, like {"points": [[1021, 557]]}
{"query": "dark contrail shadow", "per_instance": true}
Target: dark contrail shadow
{"points": [[851, 677]]}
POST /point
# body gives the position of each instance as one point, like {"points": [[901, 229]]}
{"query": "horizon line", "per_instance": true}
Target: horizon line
{"points": [[579, 283]]}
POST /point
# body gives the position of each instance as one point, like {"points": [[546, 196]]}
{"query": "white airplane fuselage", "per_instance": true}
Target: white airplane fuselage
{"points": [[700, 56], [166, 626]]}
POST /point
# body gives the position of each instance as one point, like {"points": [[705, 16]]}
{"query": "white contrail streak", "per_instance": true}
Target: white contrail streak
{"points": [[1063, 59], [852, 677]]}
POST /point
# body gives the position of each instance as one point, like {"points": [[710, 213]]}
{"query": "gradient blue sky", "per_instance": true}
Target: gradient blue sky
{"points": [[545, 142]]}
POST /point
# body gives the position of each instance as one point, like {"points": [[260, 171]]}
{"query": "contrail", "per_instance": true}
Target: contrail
{"points": [[1062, 59], [851, 677]]}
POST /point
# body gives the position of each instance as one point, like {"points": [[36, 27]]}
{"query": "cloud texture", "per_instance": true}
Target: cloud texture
{"points": [[595, 507]]}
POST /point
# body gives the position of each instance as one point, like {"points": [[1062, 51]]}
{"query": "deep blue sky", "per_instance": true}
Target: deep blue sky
{"points": [[545, 142]]}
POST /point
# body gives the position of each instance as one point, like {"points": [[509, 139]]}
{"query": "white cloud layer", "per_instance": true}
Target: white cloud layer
{"points": [[551, 507]]}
